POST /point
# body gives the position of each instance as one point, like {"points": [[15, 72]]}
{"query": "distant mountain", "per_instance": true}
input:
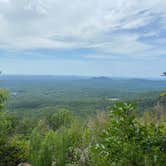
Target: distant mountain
{"points": [[101, 78]]}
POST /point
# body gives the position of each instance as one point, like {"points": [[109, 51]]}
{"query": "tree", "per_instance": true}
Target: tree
{"points": [[3, 97], [61, 118], [126, 141], [5, 123], [162, 94], [12, 148]]}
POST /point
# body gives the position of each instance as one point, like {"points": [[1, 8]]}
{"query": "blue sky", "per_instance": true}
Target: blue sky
{"points": [[122, 38]]}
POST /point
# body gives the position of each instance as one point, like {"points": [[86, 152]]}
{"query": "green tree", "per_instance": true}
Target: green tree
{"points": [[3, 98], [127, 142], [12, 149], [163, 93], [61, 118]]}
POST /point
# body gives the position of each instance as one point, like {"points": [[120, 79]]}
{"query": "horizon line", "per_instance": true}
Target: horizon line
{"points": [[88, 76]]}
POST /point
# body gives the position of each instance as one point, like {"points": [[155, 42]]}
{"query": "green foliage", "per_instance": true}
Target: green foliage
{"points": [[58, 147], [38, 97], [114, 138], [163, 94], [52, 136], [3, 97], [61, 118], [125, 141], [13, 149]]}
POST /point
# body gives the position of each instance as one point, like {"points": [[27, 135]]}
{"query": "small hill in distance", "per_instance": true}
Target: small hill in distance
{"points": [[101, 78]]}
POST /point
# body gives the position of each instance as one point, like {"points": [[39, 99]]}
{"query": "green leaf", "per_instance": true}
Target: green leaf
{"points": [[163, 94]]}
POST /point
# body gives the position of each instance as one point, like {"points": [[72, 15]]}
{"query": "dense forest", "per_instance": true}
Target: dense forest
{"points": [[100, 124]]}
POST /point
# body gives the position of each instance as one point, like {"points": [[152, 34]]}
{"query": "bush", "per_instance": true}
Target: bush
{"points": [[61, 118], [125, 141]]}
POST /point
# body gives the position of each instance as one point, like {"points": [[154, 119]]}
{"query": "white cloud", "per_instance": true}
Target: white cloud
{"points": [[106, 25]]}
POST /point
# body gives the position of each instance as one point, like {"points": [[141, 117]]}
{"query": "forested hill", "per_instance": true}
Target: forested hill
{"points": [[82, 95], [81, 83]]}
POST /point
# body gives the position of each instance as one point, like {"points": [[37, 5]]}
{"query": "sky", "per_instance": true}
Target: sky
{"points": [[122, 38]]}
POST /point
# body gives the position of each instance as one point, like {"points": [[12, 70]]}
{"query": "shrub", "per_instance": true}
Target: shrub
{"points": [[125, 141]]}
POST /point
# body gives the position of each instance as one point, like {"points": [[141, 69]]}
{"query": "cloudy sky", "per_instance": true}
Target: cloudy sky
{"points": [[83, 37]]}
